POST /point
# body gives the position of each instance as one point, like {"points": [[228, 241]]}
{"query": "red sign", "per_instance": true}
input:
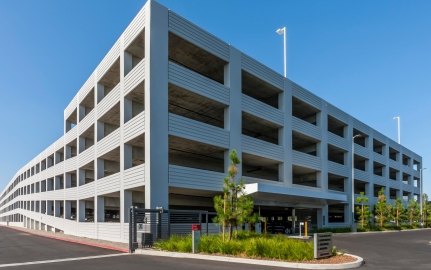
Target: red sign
{"points": [[196, 227]]}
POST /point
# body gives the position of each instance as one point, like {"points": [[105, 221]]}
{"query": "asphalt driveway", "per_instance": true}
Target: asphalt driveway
{"points": [[393, 250], [389, 250], [17, 246]]}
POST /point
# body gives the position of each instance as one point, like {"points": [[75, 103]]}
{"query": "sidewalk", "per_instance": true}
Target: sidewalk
{"points": [[122, 247]]}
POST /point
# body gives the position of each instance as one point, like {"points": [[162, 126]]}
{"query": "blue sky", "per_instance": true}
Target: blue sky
{"points": [[372, 59]]}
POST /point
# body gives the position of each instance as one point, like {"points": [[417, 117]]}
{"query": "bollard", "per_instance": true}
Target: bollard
{"points": [[196, 237], [306, 229]]}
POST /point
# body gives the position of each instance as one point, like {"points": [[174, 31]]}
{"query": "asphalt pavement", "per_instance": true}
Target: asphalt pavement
{"points": [[141, 262], [402, 250], [381, 251], [18, 247]]}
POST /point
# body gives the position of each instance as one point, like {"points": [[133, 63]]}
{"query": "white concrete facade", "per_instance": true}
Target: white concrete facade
{"points": [[153, 124]]}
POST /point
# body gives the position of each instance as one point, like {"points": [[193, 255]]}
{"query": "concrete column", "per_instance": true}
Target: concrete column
{"points": [[43, 207], [369, 190], [370, 147], [81, 112], [322, 217], [57, 208], [387, 191], [80, 210], [67, 209], [287, 133], [100, 208], [81, 144], [399, 194], [100, 92], [56, 183], [50, 207], [68, 181], [100, 130], [323, 146], [81, 177], [126, 202], [67, 152], [100, 168], [128, 109], [128, 62], [349, 164], [156, 107], [233, 115], [127, 156]]}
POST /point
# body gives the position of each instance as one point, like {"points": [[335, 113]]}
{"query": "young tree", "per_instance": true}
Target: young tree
{"points": [[363, 210], [425, 209], [398, 209], [381, 207], [413, 211], [427, 215], [234, 207]]}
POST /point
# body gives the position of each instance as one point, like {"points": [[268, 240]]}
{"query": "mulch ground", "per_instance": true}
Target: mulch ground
{"points": [[333, 260]]}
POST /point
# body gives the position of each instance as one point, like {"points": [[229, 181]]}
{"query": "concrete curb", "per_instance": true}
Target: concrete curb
{"points": [[388, 231], [72, 241], [359, 261]]}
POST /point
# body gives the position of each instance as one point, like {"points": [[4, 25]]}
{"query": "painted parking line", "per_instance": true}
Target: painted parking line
{"points": [[62, 260]]}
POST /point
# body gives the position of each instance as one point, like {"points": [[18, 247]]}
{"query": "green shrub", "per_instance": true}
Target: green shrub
{"points": [[176, 243], [391, 227], [406, 227], [249, 245]]}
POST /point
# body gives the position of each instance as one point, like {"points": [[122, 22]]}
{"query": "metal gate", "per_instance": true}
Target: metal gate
{"points": [[149, 225], [146, 226]]}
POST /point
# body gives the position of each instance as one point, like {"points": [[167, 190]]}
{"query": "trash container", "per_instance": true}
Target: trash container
{"points": [[147, 240]]}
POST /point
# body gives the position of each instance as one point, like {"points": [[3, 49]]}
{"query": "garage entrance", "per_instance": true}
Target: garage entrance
{"points": [[286, 220]]}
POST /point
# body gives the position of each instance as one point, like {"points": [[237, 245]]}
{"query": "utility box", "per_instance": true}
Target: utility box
{"points": [[196, 237]]}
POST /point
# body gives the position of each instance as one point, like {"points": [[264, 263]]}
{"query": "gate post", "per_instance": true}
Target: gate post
{"points": [[132, 229], [159, 222]]}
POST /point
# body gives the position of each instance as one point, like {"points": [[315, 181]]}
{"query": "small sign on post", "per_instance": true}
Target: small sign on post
{"points": [[300, 228], [322, 245], [196, 237]]}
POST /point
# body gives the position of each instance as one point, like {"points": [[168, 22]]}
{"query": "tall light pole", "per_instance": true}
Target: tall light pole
{"points": [[283, 32], [421, 175], [353, 181], [398, 128]]}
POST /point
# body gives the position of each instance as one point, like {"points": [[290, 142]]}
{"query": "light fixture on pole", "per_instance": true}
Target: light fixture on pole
{"points": [[421, 175], [353, 181], [283, 32], [398, 128]]}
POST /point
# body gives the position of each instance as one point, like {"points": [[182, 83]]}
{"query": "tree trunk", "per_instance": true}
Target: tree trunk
{"points": [[398, 216], [224, 218]]}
